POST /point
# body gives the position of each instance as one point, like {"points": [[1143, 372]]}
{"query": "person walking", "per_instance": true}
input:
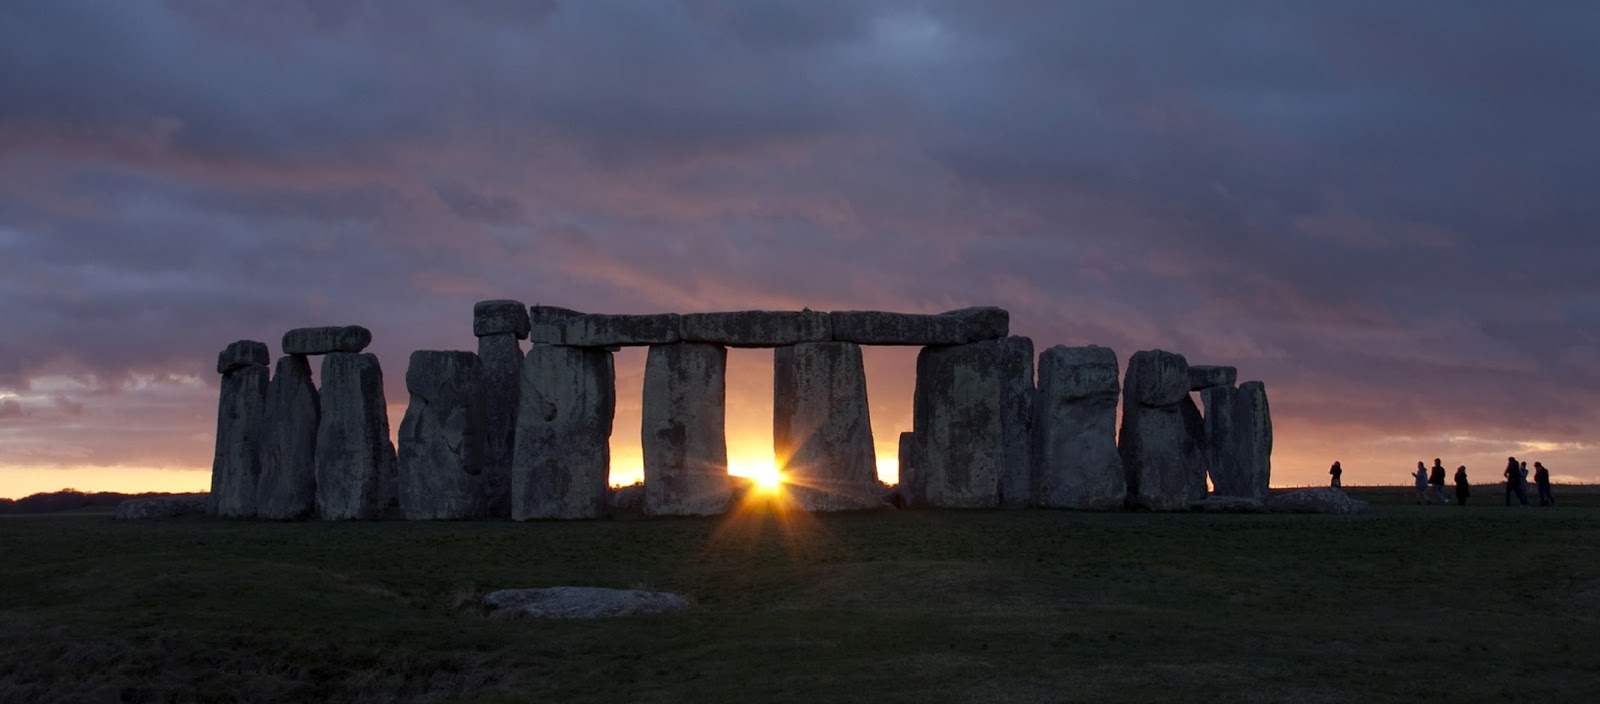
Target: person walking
{"points": [[1514, 484], [1463, 489], [1421, 478], [1335, 471], [1541, 479], [1436, 480]]}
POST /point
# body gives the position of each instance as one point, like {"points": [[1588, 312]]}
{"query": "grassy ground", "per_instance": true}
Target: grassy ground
{"points": [[1406, 603]]}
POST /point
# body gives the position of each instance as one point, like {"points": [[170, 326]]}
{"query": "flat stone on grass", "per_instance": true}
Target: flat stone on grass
{"points": [[586, 602]]}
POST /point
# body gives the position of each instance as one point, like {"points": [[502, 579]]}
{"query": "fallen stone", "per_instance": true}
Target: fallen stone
{"points": [[355, 459], [1324, 499], [628, 498], [1228, 504], [562, 464], [241, 427], [957, 426], [821, 428], [350, 338], [442, 438], [586, 602], [500, 358], [1076, 464], [287, 488], [1160, 456], [957, 327], [1016, 421], [500, 317], [755, 328], [685, 448], [1203, 377], [596, 330], [161, 506], [242, 354]]}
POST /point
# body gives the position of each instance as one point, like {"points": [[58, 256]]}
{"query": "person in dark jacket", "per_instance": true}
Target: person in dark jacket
{"points": [[1336, 472], [1463, 489], [1436, 480], [1514, 483], [1541, 479]]}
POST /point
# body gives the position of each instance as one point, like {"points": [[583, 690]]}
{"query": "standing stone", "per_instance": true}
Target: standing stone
{"points": [[1194, 427], [354, 459], [562, 464], [821, 430], [956, 420], [287, 490], [1221, 465], [908, 468], [442, 437], [1016, 420], [685, 448], [1076, 464], [241, 415], [1252, 424], [1159, 454], [499, 324]]}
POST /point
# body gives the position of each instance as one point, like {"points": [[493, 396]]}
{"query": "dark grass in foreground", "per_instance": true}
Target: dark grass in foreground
{"points": [[1406, 603]]}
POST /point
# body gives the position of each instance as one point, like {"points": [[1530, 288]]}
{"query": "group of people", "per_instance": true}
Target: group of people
{"points": [[1430, 482]]}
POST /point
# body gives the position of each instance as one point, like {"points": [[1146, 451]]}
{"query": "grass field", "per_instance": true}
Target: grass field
{"points": [[1405, 603]]}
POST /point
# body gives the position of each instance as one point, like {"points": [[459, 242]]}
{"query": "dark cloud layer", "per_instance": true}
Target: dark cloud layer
{"points": [[1383, 210]]}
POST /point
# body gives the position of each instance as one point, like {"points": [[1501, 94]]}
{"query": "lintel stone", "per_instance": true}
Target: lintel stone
{"points": [[349, 338], [957, 327], [1204, 376], [573, 329], [499, 317], [756, 328]]}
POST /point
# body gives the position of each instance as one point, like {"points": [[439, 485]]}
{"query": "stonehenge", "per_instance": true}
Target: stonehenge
{"points": [[520, 429]]}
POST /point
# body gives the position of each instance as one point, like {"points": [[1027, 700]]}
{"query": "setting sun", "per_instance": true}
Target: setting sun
{"points": [[766, 475]]}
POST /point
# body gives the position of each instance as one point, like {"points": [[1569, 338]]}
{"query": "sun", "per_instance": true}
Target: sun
{"points": [[767, 477]]}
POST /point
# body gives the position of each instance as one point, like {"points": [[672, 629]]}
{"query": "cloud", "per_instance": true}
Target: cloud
{"points": [[1381, 210]]}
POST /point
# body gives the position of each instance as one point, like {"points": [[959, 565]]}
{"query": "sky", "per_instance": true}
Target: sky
{"points": [[1384, 211]]}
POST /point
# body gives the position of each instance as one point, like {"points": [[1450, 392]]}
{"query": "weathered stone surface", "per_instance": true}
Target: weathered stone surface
{"points": [[355, 459], [556, 327], [500, 317], [349, 338], [821, 430], [1016, 421], [685, 449], [241, 423], [240, 354], [1252, 435], [756, 328], [287, 488], [1076, 464], [1219, 438], [500, 358], [562, 464], [908, 469], [585, 602], [956, 420], [957, 327], [161, 506], [442, 438], [1160, 455], [1204, 377], [1322, 499], [1228, 504]]}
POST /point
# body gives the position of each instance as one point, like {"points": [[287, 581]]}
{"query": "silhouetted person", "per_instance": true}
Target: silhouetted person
{"points": [[1541, 479], [1514, 483], [1421, 477], [1436, 479], [1463, 489], [1335, 471]]}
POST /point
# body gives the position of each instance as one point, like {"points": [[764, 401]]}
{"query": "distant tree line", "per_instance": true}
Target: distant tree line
{"points": [[67, 500]]}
